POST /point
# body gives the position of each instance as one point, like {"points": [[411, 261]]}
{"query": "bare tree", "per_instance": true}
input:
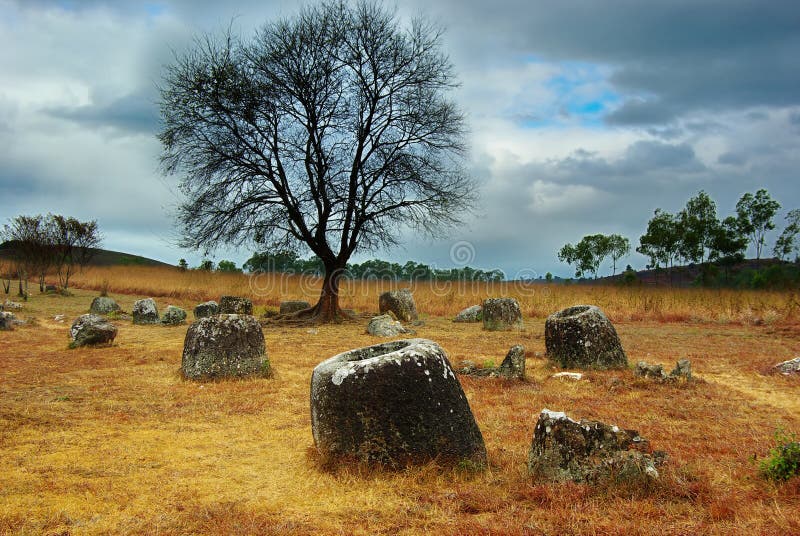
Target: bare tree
{"points": [[31, 241], [74, 244], [53, 242], [333, 129]]}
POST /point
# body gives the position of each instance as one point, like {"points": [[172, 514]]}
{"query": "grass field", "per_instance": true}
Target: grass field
{"points": [[113, 441]]}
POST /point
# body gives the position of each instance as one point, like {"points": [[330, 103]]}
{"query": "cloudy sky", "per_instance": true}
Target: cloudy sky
{"points": [[586, 115]]}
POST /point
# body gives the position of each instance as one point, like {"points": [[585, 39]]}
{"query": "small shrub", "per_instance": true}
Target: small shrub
{"points": [[104, 288], [629, 277], [784, 460], [466, 465]]}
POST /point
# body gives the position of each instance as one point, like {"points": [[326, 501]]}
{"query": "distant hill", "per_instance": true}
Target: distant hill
{"points": [[102, 257], [688, 275]]}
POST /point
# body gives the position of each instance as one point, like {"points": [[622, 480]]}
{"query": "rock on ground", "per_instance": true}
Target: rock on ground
{"points": [[583, 337], [173, 316], [646, 370], [235, 305], [224, 345], [7, 321], [289, 307], [90, 330], [568, 375], [588, 451], [205, 309], [683, 369], [145, 312], [501, 314], [400, 303], [103, 305], [11, 305], [789, 367], [386, 326], [393, 403], [513, 366], [473, 313]]}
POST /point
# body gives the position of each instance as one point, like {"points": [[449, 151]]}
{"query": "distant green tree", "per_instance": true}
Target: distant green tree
{"points": [[183, 265], [548, 277], [786, 242], [227, 266], [754, 215], [586, 255], [206, 265], [697, 225], [728, 245], [284, 260], [618, 247], [661, 241]]}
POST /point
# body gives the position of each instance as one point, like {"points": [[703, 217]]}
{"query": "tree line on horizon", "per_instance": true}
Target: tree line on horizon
{"points": [[694, 235], [290, 262]]}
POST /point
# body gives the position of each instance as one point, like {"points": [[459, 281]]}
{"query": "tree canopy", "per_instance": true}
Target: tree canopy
{"points": [[334, 129], [754, 217], [51, 242]]}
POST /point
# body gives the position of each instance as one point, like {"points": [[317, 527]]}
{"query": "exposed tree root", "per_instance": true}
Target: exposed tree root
{"points": [[314, 316]]}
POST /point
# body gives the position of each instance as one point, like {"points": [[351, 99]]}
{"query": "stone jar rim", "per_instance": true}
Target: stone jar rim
{"points": [[575, 310]]}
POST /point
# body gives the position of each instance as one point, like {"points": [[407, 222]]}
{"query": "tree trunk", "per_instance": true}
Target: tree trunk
{"points": [[327, 309]]}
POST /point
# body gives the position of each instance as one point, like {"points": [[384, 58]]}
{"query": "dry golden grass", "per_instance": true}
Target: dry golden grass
{"points": [[113, 441], [446, 298]]}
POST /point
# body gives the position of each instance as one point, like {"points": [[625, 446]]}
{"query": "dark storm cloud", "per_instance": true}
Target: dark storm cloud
{"points": [[672, 57], [136, 113]]}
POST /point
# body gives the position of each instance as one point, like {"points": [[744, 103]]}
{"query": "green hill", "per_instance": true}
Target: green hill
{"points": [[102, 257]]}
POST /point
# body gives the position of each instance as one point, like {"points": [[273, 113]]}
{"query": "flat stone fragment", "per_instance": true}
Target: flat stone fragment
{"points": [[103, 305], [11, 305], [473, 313], [205, 309], [386, 326], [682, 370], [394, 403], [583, 337], [400, 303], [224, 346], [91, 330], [588, 451], [501, 314], [791, 366], [645, 370], [289, 307], [145, 312], [235, 305], [568, 375]]}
